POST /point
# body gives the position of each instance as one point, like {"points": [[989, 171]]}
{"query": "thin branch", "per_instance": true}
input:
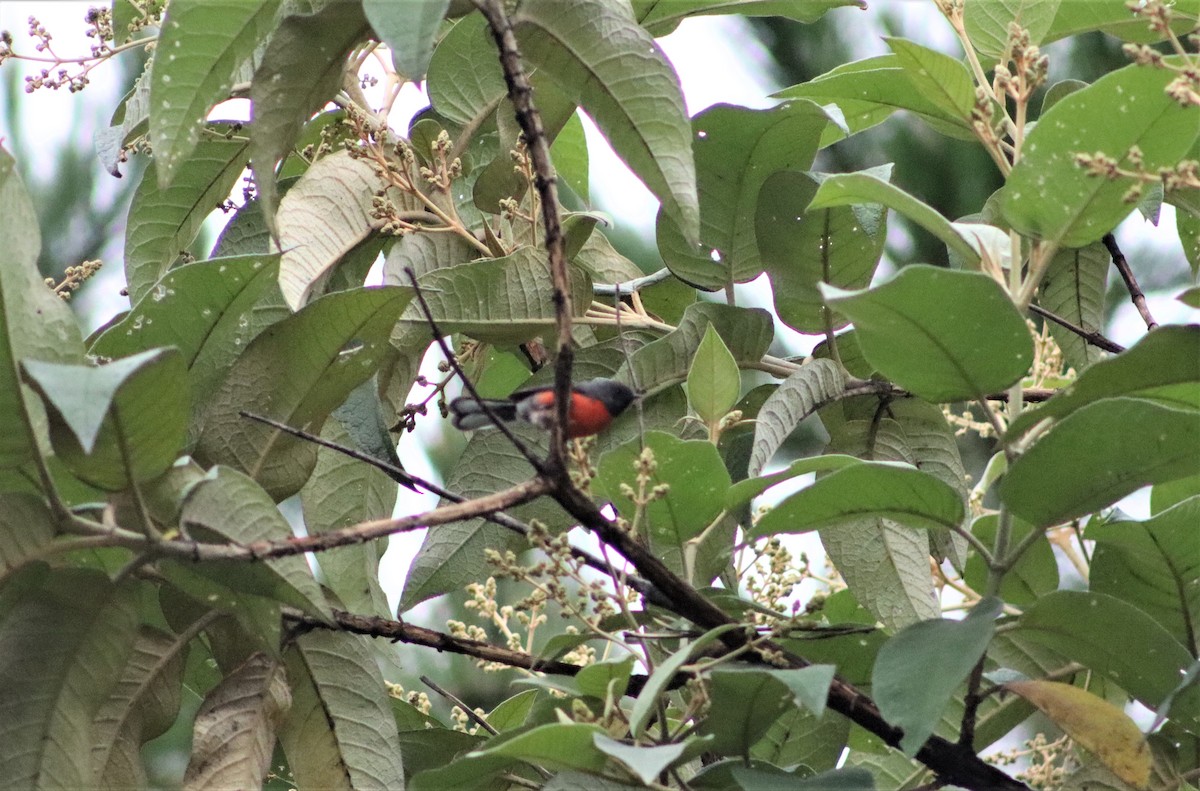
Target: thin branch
{"points": [[1094, 338], [630, 286], [467, 710], [520, 93], [405, 477], [1135, 291], [452, 361]]}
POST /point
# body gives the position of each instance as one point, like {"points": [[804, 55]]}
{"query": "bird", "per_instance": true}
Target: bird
{"points": [[594, 405]]}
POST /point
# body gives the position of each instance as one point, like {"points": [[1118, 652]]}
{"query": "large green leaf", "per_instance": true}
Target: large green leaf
{"points": [[697, 482], [1073, 289], [209, 311], [297, 371], [801, 394], [1097, 455], [848, 189], [234, 733], [1153, 565], [343, 492], [120, 423], [941, 79], [1113, 17], [714, 381], [840, 246], [143, 705], [300, 70], [661, 18], [1164, 366], [736, 149], [409, 30], [868, 91], [339, 732], [26, 526], [324, 216], [464, 82], [942, 334], [1079, 625], [501, 300], [556, 746], [201, 46], [745, 703], [1050, 196], [877, 489], [987, 21], [604, 60], [163, 221], [227, 506], [64, 642], [918, 670]]}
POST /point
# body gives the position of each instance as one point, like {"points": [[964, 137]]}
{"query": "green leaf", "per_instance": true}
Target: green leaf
{"points": [[940, 78], [1099, 454], [646, 702], [987, 22], [569, 153], [142, 706], [132, 118], [1188, 227], [814, 385], [297, 371], [745, 702], [1078, 624], [300, 71], [809, 685], [230, 507], [201, 46], [846, 189], [661, 18], [512, 712], [209, 311], [1152, 565], [747, 333], [647, 763], [743, 492], [409, 30], [1113, 17], [604, 679], [800, 248], [322, 218], [423, 253], [714, 381], [339, 732], [599, 259], [464, 83], [736, 150], [697, 481], [877, 489], [847, 779], [1073, 289], [497, 300], [1035, 573], [799, 738], [163, 221], [868, 92], [1051, 197], [343, 492], [64, 643], [918, 670], [1163, 366], [26, 525], [235, 728], [592, 48], [557, 746], [117, 424], [942, 334]]}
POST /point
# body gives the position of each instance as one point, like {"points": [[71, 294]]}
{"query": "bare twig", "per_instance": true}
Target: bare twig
{"points": [[452, 361], [463, 707], [1135, 291], [520, 93], [1094, 338]]}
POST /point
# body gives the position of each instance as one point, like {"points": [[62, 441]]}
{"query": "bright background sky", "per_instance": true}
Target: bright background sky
{"points": [[718, 60]]}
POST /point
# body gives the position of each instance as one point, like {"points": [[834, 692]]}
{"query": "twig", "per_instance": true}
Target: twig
{"points": [[1135, 291], [630, 286], [520, 93], [452, 361], [405, 477], [966, 731], [450, 696], [1094, 338]]}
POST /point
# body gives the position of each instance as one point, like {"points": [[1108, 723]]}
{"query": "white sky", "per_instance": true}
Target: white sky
{"points": [[717, 60]]}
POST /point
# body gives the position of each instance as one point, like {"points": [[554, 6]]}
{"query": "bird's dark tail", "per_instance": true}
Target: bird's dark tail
{"points": [[467, 414]]}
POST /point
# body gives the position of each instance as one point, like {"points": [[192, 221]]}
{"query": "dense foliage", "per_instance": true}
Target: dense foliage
{"points": [[155, 599]]}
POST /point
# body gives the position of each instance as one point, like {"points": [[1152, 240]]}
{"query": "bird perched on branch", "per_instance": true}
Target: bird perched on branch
{"points": [[594, 406]]}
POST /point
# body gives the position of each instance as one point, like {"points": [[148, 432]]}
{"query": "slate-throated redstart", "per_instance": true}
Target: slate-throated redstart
{"points": [[594, 405]]}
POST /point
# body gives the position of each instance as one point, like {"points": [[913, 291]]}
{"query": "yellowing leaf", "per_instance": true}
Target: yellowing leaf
{"points": [[1098, 726]]}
